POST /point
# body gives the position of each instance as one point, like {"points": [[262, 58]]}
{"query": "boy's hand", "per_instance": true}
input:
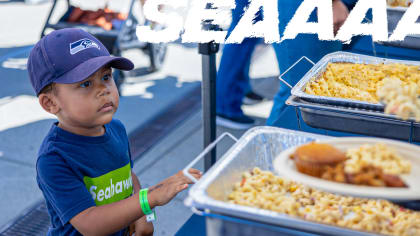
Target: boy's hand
{"points": [[163, 192], [143, 228]]}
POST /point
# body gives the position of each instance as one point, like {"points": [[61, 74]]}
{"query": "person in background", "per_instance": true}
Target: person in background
{"points": [[290, 51], [232, 83], [84, 166]]}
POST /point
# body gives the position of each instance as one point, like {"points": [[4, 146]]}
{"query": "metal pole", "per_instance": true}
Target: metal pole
{"points": [[208, 96]]}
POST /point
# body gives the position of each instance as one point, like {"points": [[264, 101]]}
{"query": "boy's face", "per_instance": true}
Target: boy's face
{"points": [[89, 103]]}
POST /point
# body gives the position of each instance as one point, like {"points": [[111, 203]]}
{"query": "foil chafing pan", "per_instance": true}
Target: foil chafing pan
{"points": [[258, 147], [316, 71]]}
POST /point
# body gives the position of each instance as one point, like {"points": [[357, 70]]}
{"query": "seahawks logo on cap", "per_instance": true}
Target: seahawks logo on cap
{"points": [[81, 45]]}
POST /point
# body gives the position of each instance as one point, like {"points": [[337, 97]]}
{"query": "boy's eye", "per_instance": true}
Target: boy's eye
{"points": [[106, 77], [85, 84]]}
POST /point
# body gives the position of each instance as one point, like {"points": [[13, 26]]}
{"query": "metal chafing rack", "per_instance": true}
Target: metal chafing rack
{"points": [[355, 120], [259, 146]]}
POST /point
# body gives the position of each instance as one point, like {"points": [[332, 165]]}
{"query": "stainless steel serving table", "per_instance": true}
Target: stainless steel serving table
{"points": [[256, 148]]}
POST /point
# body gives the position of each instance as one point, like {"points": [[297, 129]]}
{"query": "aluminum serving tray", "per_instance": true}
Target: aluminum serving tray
{"points": [[256, 148], [319, 68], [354, 120]]}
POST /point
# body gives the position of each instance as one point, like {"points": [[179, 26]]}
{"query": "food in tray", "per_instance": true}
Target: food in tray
{"points": [[264, 190], [399, 98], [399, 3], [372, 165], [360, 81]]}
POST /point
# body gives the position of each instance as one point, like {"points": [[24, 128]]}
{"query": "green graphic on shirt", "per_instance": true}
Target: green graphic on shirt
{"points": [[110, 187]]}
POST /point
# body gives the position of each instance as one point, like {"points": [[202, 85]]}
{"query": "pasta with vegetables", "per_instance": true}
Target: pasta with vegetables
{"points": [[264, 190]]}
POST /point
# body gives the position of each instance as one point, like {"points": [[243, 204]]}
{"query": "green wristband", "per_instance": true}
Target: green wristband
{"points": [[144, 203]]}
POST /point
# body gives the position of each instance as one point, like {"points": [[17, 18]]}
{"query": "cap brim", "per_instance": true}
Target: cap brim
{"points": [[89, 67]]}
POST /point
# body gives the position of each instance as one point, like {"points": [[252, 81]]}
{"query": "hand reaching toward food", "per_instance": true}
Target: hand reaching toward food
{"points": [[163, 192]]}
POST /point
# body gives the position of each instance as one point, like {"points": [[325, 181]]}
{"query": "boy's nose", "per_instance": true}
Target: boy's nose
{"points": [[103, 89]]}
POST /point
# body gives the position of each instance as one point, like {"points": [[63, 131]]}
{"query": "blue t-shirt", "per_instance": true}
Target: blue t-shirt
{"points": [[76, 172]]}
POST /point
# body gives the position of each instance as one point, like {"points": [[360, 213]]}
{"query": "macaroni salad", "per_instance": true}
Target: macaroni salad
{"points": [[264, 190]]}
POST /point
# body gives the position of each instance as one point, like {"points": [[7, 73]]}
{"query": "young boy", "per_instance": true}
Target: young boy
{"points": [[84, 164]]}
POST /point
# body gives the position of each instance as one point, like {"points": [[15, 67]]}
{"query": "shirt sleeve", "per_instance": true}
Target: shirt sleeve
{"points": [[62, 188]]}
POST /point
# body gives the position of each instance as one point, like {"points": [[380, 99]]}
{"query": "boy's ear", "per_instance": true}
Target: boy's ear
{"points": [[48, 103]]}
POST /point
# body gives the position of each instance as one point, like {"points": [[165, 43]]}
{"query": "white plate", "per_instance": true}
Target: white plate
{"points": [[285, 167]]}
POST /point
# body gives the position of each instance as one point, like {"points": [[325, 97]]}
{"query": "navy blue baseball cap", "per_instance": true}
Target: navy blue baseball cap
{"points": [[69, 56]]}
